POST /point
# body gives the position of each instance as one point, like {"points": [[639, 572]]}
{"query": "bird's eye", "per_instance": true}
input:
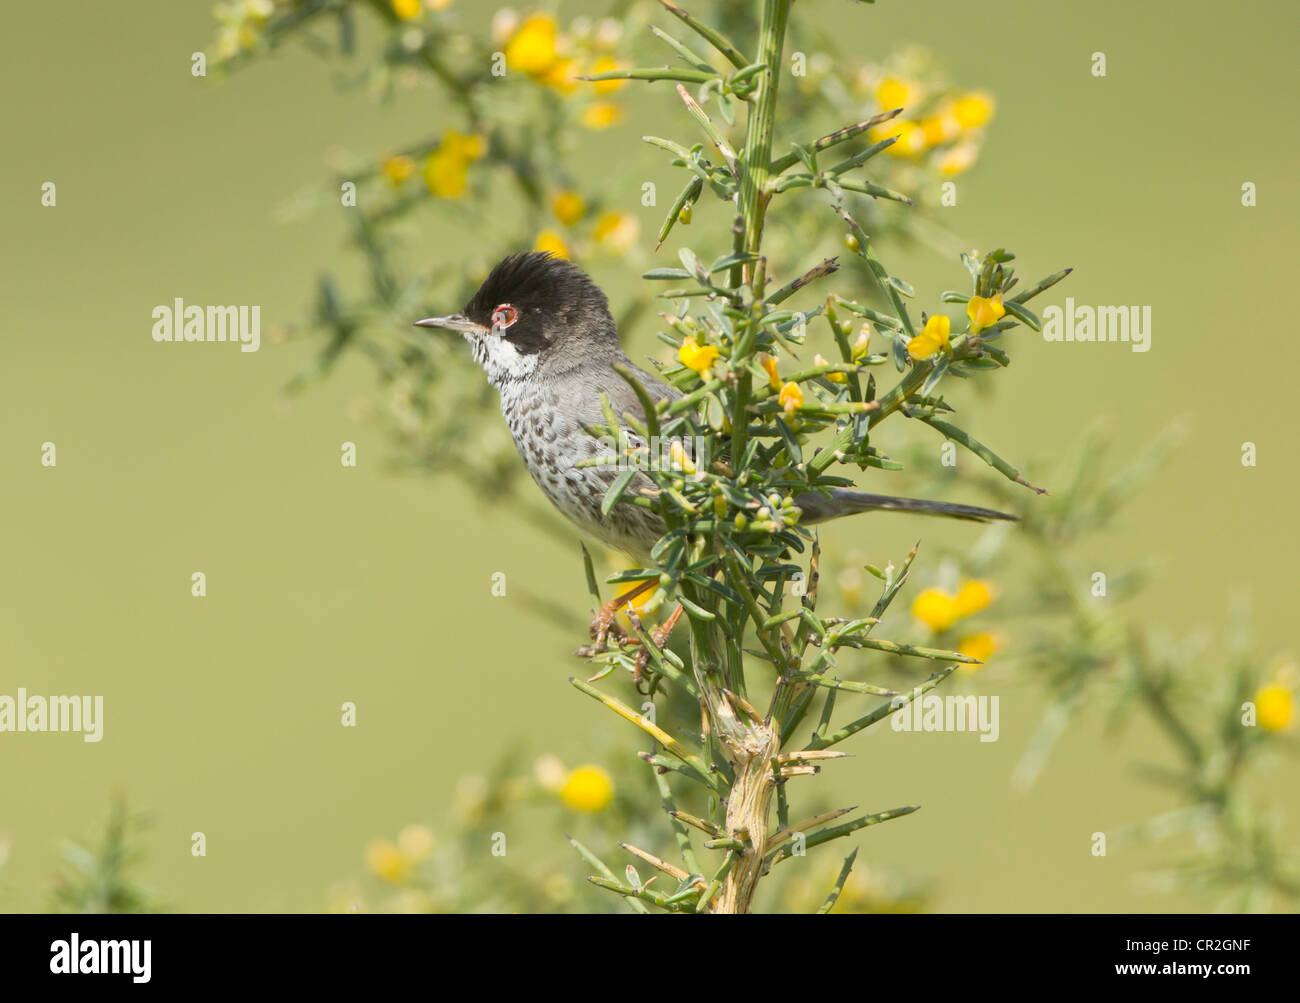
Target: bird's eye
{"points": [[504, 315]]}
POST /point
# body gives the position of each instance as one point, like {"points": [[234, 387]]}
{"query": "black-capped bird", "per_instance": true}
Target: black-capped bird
{"points": [[544, 334]]}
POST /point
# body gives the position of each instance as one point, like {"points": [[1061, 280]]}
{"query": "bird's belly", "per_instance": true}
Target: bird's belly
{"points": [[552, 456]]}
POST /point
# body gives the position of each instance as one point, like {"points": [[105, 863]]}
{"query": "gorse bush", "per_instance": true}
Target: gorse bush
{"points": [[790, 342]]}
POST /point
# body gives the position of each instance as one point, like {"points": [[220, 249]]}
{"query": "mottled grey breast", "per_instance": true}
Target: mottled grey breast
{"points": [[548, 419]]}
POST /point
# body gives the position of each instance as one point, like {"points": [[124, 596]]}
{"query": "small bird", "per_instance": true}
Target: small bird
{"points": [[543, 332]]}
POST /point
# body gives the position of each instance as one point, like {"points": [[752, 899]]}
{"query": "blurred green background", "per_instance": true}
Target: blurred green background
{"points": [[328, 585]]}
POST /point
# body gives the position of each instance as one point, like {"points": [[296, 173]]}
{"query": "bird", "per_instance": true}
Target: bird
{"points": [[543, 332]]}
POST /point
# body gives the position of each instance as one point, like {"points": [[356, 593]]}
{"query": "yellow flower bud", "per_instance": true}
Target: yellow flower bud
{"points": [[981, 646], [532, 48], [934, 608], [973, 110], [602, 114], [790, 397], [568, 207], [972, 597], [769, 366], [549, 240], [406, 9], [606, 64], [1274, 706], [892, 93], [589, 789]]}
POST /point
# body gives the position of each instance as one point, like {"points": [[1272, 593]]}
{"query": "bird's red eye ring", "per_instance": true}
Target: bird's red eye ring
{"points": [[504, 316]]}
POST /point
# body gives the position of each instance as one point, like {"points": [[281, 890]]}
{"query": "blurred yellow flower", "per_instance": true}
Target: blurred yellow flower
{"points": [[563, 76], [406, 9], [1274, 707], [932, 339], [938, 610], [415, 842], [386, 861], [696, 356], [985, 311], [934, 608], [981, 646], [972, 597], [773, 377], [533, 47], [940, 129], [398, 169], [568, 207], [973, 110], [892, 93], [958, 159], [606, 64], [549, 240], [588, 788], [617, 231], [602, 114], [446, 172], [790, 397], [910, 142]]}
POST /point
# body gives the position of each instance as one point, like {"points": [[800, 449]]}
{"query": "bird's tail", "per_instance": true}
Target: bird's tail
{"points": [[818, 508]]}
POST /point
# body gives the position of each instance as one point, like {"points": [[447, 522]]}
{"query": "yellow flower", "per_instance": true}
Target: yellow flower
{"points": [[563, 76], [981, 646], [398, 169], [549, 240], [682, 462], [934, 608], [415, 842], [892, 93], [861, 346], [695, 356], [616, 230], [790, 397], [606, 64], [568, 207], [958, 159], [940, 129], [932, 339], [446, 172], [602, 114], [773, 377], [386, 861], [1274, 707], [467, 147], [985, 311], [406, 9], [819, 360], [532, 49], [973, 110], [972, 597], [588, 788], [910, 142]]}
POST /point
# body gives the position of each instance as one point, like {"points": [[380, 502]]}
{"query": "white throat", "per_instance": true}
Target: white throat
{"points": [[499, 358]]}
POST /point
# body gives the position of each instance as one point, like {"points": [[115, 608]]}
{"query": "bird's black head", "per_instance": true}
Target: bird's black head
{"points": [[534, 309]]}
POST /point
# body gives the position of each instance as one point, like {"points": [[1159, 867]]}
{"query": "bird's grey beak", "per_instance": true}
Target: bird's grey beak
{"points": [[455, 322]]}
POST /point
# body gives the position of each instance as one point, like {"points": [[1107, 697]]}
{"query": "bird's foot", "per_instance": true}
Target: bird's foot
{"points": [[603, 624], [660, 637]]}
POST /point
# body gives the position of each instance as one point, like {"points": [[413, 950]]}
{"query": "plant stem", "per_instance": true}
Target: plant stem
{"points": [[750, 745]]}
